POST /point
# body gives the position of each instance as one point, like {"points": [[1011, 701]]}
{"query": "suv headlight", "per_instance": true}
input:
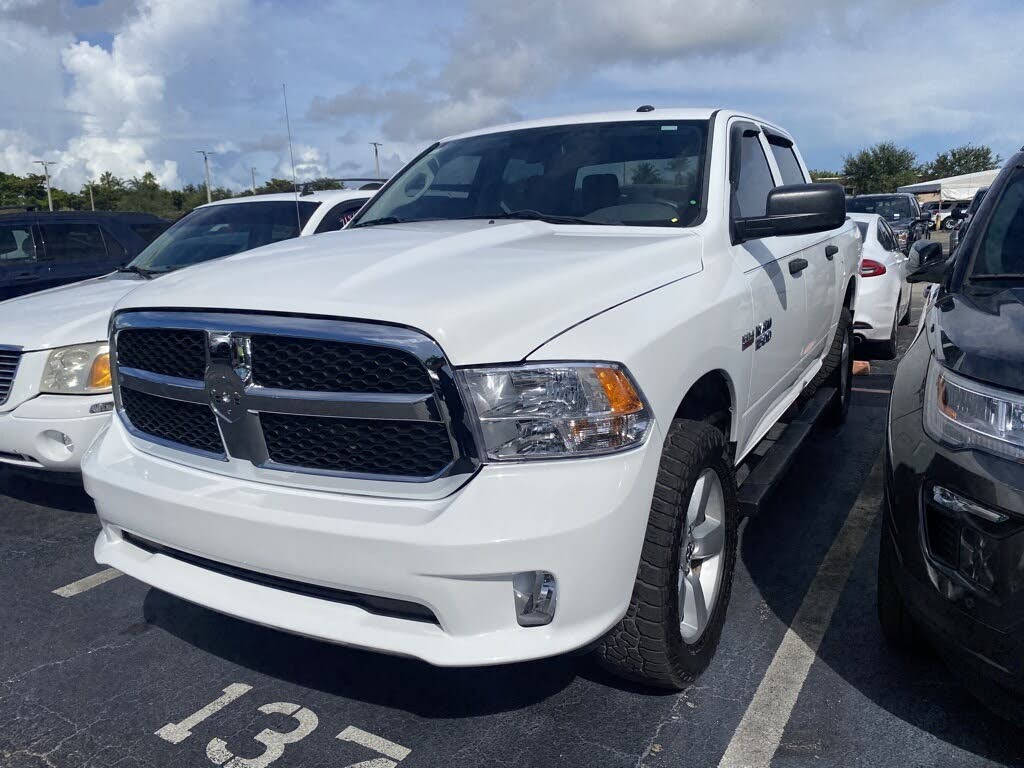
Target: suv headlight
{"points": [[964, 413], [556, 410], [902, 237], [83, 369]]}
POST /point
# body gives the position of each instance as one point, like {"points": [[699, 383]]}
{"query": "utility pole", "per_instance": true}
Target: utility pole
{"points": [[92, 203], [253, 169], [46, 172], [206, 163], [376, 155]]}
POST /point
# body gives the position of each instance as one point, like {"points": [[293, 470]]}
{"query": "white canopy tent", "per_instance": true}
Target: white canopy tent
{"points": [[955, 187]]}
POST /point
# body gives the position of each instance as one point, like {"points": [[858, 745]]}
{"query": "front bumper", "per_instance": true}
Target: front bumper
{"points": [[52, 431], [961, 577], [581, 520]]}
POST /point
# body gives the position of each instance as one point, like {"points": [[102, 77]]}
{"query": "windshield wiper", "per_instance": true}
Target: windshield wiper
{"points": [[131, 268], [377, 222], [551, 218]]}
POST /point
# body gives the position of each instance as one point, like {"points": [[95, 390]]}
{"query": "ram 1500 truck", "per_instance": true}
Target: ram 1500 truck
{"points": [[497, 417]]}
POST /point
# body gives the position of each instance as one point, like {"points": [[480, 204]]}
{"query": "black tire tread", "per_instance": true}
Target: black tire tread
{"points": [[646, 646]]}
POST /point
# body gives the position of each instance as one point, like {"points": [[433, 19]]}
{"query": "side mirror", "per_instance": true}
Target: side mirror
{"points": [[926, 263], [925, 216], [796, 209]]}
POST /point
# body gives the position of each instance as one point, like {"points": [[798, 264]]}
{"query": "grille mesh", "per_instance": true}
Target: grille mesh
{"points": [[312, 365], [943, 536], [169, 352], [409, 448], [187, 424], [8, 367]]}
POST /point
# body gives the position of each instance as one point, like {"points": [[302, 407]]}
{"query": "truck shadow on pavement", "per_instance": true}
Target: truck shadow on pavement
{"points": [[402, 683], [782, 549]]}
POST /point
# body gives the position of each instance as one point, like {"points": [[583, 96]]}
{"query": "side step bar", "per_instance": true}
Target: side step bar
{"points": [[776, 462]]}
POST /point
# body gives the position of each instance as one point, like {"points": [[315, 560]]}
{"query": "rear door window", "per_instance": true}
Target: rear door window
{"points": [[339, 216], [73, 242], [17, 245], [785, 158]]}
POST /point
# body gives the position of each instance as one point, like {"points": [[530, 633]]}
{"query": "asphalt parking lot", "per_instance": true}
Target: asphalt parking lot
{"points": [[109, 672]]}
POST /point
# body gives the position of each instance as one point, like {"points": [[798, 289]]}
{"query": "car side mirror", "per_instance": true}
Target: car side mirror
{"points": [[925, 216], [796, 209], [926, 263]]}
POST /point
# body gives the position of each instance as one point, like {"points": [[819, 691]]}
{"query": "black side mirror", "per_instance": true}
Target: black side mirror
{"points": [[796, 209], [925, 216], [926, 263]]}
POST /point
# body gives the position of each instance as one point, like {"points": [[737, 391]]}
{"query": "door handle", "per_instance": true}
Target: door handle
{"points": [[796, 266], [831, 251], [21, 278]]}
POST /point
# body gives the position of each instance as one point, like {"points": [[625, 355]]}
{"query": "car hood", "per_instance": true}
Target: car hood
{"points": [[70, 314], [485, 291], [981, 335]]}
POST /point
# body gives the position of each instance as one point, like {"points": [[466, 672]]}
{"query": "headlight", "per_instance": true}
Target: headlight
{"points": [[901, 237], [967, 414], [554, 410], [80, 370]]}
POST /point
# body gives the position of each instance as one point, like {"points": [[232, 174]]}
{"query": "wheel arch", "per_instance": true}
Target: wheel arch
{"points": [[711, 398]]}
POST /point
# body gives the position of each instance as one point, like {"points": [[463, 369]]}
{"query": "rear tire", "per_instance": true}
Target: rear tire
{"points": [[838, 360], [666, 639], [890, 347], [905, 319]]}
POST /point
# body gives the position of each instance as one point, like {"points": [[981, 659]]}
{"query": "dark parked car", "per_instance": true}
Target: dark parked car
{"points": [[951, 565], [39, 249], [902, 212]]}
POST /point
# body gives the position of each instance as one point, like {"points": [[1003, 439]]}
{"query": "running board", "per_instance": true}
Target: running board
{"points": [[773, 466]]}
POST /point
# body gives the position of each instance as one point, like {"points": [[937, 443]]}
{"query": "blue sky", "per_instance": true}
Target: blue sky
{"points": [[136, 85]]}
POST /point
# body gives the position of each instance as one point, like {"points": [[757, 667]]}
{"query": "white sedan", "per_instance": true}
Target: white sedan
{"points": [[883, 294]]}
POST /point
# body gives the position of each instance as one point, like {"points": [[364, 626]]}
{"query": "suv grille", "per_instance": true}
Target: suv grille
{"points": [[9, 360], [351, 399]]}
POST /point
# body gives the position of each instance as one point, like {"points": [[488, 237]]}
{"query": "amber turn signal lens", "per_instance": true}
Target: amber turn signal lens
{"points": [[619, 390], [99, 376]]}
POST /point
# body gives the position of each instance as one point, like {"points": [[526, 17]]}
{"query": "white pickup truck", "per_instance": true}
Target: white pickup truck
{"points": [[497, 417]]}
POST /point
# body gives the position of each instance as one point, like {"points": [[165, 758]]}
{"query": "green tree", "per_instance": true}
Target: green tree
{"points": [[645, 173], [818, 174], [322, 183], [964, 159], [275, 185], [881, 168]]}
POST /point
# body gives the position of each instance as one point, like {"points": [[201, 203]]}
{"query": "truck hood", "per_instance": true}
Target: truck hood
{"points": [[485, 291], [70, 314]]}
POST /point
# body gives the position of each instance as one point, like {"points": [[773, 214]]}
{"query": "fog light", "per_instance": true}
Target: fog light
{"points": [[535, 594], [954, 501]]}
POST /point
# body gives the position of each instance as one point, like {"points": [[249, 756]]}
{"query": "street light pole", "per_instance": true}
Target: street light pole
{"points": [[206, 164], [92, 203], [253, 169], [376, 155], [46, 172]]}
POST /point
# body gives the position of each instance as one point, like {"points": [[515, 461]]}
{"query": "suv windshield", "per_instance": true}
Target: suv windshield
{"points": [[638, 173], [889, 207], [1000, 254], [221, 230]]}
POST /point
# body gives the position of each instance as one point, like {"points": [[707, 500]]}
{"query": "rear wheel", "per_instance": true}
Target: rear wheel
{"points": [[947, 223], [836, 372], [905, 318], [889, 347], [676, 613]]}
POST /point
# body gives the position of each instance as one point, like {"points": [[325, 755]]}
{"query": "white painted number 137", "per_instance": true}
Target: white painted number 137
{"points": [[274, 742]]}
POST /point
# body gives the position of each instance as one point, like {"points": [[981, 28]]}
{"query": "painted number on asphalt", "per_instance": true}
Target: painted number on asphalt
{"points": [[274, 742]]}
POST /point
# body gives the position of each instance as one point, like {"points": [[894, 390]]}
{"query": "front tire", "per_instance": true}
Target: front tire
{"points": [[676, 613], [947, 223]]}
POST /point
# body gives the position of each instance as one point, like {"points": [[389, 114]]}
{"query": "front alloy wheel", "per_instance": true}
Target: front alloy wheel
{"points": [[700, 565]]}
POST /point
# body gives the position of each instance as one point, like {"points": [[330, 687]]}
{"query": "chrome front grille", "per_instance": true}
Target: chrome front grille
{"points": [[9, 359], [326, 397]]}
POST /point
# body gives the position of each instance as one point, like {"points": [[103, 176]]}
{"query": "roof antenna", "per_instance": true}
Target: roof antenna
{"points": [[645, 108], [291, 155]]}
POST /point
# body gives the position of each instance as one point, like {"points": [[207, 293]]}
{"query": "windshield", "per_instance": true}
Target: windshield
{"points": [[221, 230], [636, 173], [889, 207], [1000, 254]]}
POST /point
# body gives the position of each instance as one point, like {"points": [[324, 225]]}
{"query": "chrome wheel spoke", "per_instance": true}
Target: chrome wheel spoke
{"points": [[708, 539], [695, 609], [695, 512]]}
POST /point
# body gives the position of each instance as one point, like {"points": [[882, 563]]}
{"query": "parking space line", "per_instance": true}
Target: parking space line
{"points": [[759, 733], [77, 587], [376, 743], [873, 391]]}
